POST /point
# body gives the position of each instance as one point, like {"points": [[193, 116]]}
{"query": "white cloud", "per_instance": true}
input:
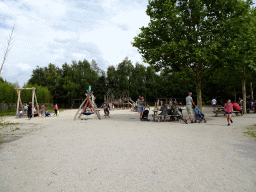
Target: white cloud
{"points": [[58, 31]]}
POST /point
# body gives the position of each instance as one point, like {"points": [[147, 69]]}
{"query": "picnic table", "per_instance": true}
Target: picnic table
{"points": [[221, 110], [157, 117]]}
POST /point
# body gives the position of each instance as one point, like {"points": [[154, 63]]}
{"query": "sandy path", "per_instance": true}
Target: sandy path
{"points": [[124, 154]]}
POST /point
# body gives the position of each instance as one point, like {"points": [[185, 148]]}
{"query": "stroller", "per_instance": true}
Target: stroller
{"points": [[145, 115], [199, 117]]}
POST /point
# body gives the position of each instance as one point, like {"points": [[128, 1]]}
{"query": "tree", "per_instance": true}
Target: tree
{"points": [[239, 55], [8, 48], [183, 34]]}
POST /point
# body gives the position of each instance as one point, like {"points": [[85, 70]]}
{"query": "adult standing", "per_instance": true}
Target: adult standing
{"points": [[189, 103], [228, 111], [214, 103], [140, 105], [43, 110], [240, 103], [29, 110], [56, 109]]}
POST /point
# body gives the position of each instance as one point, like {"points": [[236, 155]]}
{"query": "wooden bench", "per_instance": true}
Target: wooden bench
{"points": [[158, 117], [223, 112]]}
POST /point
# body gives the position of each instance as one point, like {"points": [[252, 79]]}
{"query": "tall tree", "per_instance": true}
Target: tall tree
{"points": [[239, 56], [182, 34]]}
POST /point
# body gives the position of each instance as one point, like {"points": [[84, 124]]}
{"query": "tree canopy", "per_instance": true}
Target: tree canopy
{"points": [[194, 34]]}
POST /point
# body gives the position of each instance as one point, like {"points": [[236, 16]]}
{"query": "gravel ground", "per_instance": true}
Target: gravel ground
{"points": [[122, 153]]}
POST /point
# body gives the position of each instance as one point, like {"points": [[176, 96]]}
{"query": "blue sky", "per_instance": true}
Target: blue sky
{"points": [[58, 31]]}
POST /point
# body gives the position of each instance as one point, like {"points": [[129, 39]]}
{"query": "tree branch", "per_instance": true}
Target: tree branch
{"points": [[8, 48]]}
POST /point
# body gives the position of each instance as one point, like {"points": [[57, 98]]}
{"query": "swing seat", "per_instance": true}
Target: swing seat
{"points": [[87, 113]]}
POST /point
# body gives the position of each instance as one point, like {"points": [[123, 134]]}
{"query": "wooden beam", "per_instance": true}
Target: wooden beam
{"points": [[26, 88], [33, 98], [80, 108], [18, 103], [37, 106]]}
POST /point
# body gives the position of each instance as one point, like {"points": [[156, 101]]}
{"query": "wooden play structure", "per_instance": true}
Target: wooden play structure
{"points": [[88, 102], [168, 102], [122, 102], [34, 99]]}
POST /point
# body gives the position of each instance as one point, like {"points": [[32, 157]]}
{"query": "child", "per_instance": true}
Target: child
{"points": [[143, 100], [43, 110], [56, 109], [25, 108], [228, 111], [20, 113], [106, 111], [47, 114]]}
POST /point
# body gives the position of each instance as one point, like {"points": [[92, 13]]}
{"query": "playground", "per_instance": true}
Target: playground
{"points": [[122, 153]]}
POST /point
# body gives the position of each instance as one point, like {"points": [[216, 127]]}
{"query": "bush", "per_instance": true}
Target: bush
{"points": [[209, 102], [8, 93], [203, 103], [9, 112]]}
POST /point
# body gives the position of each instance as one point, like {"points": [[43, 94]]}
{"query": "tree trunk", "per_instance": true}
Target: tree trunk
{"points": [[199, 93], [235, 93], [199, 86], [251, 92], [244, 95]]}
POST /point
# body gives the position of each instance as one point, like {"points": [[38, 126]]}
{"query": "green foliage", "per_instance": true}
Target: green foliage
{"points": [[42, 93], [8, 93], [9, 112], [197, 34], [209, 102]]}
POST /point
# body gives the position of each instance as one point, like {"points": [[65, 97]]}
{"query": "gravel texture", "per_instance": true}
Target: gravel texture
{"points": [[122, 153]]}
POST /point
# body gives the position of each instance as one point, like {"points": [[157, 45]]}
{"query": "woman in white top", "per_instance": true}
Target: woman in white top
{"points": [[214, 103]]}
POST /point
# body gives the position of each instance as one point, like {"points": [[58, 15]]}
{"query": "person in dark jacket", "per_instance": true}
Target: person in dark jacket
{"points": [[29, 110]]}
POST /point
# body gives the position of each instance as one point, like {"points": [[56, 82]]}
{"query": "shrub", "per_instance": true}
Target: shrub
{"points": [[209, 102]]}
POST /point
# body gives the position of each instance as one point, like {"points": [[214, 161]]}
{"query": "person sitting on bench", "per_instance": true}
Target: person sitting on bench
{"points": [[237, 108], [164, 111]]}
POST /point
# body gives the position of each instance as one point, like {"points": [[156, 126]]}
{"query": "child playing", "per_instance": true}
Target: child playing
{"points": [[55, 109], [106, 111], [228, 111], [20, 113]]}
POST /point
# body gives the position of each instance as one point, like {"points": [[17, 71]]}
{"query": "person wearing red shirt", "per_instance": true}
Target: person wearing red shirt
{"points": [[56, 109], [236, 107], [228, 110]]}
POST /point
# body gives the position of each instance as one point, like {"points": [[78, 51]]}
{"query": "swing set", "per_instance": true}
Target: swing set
{"points": [[34, 99], [89, 102]]}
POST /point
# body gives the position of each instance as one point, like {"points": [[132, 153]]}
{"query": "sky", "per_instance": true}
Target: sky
{"points": [[59, 31]]}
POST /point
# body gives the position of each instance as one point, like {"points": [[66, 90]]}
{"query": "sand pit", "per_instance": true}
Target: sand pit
{"points": [[122, 153]]}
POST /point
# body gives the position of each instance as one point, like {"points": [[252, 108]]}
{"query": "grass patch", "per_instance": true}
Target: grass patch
{"points": [[10, 112], [17, 128], [1, 139], [251, 131], [52, 111], [8, 123]]}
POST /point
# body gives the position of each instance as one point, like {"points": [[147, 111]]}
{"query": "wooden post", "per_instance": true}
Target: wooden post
{"points": [[37, 106], [80, 108], [22, 108], [33, 97], [18, 103]]}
